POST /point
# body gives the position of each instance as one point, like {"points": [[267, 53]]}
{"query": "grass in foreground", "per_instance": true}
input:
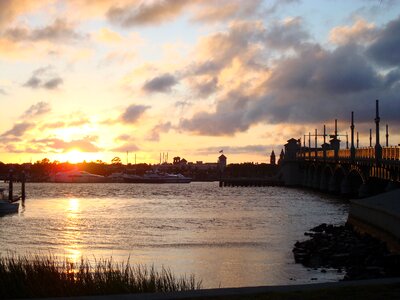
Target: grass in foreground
{"points": [[37, 276]]}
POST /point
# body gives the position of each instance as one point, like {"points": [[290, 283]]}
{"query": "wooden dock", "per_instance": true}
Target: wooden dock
{"points": [[249, 182]]}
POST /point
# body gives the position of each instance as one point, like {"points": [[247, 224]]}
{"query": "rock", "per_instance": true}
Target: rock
{"points": [[340, 247]]}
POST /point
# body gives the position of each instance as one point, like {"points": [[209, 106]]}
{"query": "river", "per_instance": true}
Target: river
{"points": [[228, 237]]}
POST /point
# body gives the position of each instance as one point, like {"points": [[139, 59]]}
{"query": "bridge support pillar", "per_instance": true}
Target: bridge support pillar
{"points": [[391, 186], [363, 191], [345, 188], [332, 186], [323, 185], [310, 179], [305, 178], [291, 174], [316, 180]]}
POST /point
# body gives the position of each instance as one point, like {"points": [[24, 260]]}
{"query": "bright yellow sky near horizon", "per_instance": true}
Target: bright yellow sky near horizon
{"points": [[92, 80]]}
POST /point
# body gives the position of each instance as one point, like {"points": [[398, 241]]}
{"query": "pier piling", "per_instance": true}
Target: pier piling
{"points": [[23, 179], [10, 185]]}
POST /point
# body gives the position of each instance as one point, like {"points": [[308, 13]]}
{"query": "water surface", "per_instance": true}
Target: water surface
{"points": [[225, 236]]}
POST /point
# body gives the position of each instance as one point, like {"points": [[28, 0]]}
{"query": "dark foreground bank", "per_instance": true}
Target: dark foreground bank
{"points": [[41, 277], [352, 290], [342, 248]]}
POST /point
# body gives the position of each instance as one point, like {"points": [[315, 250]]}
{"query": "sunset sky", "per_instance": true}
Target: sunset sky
{"points": [[83, 79]]}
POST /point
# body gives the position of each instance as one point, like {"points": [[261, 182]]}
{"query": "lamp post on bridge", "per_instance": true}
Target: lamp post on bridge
{"points": [[358, 140], [370, 137], [335, 142], [378, 147], [316, 135], [387, 135], [352, 149]]}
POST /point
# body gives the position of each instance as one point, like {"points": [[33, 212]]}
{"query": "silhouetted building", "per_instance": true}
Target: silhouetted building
{"points": [[273, 159], [281, 157], [222, 162]]}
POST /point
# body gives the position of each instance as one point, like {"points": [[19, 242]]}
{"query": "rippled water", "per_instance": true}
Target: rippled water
{"points": [[225, 236]]}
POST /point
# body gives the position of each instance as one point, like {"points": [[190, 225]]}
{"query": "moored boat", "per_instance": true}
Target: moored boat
{"points": [[76, 176], [154, 177], [7, 207]]}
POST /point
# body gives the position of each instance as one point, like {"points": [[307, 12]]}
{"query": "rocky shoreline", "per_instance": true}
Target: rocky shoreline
{"points": [[341, 248]]}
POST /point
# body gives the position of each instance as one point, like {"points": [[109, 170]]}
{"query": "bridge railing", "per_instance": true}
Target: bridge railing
{"points": [[391, 153], [330, 154], [365, 152], [344, 153], [388, 153]]}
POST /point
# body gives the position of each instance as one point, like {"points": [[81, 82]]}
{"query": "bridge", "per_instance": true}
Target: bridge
{"points": [[354, 171]]}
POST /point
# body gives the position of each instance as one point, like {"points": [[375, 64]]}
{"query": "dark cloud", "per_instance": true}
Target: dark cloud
{"points": [[230, 117], [54, 144], [133, 113], [203, 89], [37, 109], [343, 70], [58, 31], [53, 125], [10, 9], [62, 124], [123, 137], [126, 147], [53, 83], [78, 122], [154, 12], [3, 92], [33, 82], [11, 148], [392, 79], [289, 34], [315, 85], [226, 9], [276, 5], [241, 43], [44, 78], [386, 48], [233, 150], [206, 67], [154, 135], [18, 129], [161, 84], [159, 11]]}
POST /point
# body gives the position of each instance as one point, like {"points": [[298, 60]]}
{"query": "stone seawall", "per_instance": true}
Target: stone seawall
{"points": [[378, 216]]}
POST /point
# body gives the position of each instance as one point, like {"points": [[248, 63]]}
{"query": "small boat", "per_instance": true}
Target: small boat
{"points": [[7, 207]]}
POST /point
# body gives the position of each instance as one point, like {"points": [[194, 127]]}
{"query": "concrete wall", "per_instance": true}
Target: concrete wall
{"points": [[378, 216]]}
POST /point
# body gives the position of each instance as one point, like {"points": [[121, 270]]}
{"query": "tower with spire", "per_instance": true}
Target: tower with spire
{"points": [[273, 158]]}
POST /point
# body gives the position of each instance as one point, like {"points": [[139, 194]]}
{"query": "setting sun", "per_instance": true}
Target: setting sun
{"points": [[75, 156]]}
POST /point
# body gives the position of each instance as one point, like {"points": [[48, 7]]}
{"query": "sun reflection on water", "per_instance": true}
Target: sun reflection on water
{"points": [[72, 231], [73, 205]]}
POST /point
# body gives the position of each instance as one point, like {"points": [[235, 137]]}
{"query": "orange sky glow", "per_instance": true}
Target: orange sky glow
{"points": [[92, 80]]}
